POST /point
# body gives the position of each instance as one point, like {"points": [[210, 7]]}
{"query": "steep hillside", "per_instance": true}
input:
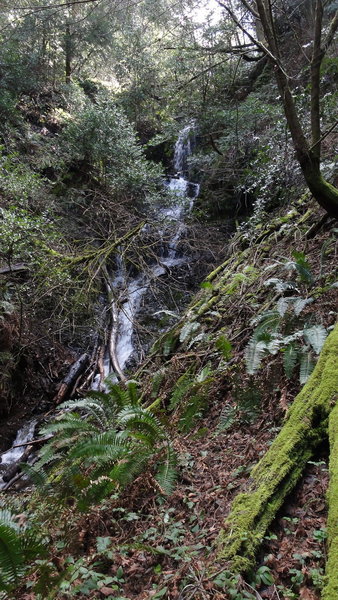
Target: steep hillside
{"points": [[221, 382]]}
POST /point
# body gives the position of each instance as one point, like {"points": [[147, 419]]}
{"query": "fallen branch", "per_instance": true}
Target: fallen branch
{"points": [[41, 440], [74, 372], [19, 268], [15, 468], [278, 471]]}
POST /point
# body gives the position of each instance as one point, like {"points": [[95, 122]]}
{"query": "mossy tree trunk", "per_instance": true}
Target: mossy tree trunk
{"points": [[330, 591], [276, 474]]}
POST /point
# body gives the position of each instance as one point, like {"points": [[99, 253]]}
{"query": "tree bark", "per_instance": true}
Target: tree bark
{"points": [[277, 473], [330, 591]]}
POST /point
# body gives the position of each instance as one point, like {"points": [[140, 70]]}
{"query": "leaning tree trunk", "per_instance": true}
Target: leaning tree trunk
{"points": [[324, 192], [278, 471]]}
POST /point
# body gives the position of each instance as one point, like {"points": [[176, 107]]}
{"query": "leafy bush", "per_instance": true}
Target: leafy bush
{"points": [[101, 138]]}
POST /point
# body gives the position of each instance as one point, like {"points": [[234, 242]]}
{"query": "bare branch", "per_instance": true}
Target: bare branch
{"points": [[316, 60], [45, 7], [325, 134], [250, 9], [258, 44], [331, 33]]}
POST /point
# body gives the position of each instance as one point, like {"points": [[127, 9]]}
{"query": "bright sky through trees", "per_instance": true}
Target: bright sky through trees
{"points": [[208, 8]]}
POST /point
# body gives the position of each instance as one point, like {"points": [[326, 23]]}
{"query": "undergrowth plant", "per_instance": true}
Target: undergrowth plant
{"points": [[189, 396], [282, 328], [100, 444], [19, 545]]}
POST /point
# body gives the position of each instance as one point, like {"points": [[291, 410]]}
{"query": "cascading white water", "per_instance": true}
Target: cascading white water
{"points": [[14, 454], [130, 291]]}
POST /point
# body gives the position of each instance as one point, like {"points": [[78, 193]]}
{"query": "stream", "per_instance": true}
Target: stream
{"points": [[126, 292]]}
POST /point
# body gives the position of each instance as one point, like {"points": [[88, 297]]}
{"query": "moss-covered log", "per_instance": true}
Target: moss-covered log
{"points": [[330, 591], [279, 470]]}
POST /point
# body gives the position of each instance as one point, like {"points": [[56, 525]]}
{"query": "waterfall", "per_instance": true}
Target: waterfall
{"points": [[129, 291], [126, 292]]}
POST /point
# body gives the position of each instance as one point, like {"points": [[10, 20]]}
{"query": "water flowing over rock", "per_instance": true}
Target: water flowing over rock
{"points": [[14, 455], [127, 292]]}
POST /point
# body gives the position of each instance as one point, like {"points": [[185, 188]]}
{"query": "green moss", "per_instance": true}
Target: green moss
{"points": [[330, 591], [279, 470]]}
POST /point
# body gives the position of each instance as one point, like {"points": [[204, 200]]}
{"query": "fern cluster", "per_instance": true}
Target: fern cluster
{"points": [[278, 330], [190, 393], [100, 444]]}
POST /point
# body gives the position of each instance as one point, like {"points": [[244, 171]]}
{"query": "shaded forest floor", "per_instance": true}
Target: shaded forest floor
{"points": [[151, 547]]}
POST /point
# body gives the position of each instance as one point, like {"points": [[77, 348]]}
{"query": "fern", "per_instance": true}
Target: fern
{"points": [[299, 305], [123, 396], [138, 421], [192, 411], [267, 322], [224, 346], [68, 425], [227, 417], [316, 336], [188, 330], [302, 267], [124, 472], [157, 382], [18, 545], [182, 385], [169, 343], [283, 305], [166, 471], [107, 445], [91, 406], [254, 353], [290, 358], [306, 366], [280, 285]]}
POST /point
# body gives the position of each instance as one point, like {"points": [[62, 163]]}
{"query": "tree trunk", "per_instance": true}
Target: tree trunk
{"points": [[68, 54], [330, 591], [324, 192], [276, 474]]}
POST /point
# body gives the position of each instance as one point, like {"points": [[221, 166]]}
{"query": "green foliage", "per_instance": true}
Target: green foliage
{"points": [[101, 138], [224, 346], [18, 181], [189, 396], [19, 544], [101, 445], [277, 330], [22, 236]]}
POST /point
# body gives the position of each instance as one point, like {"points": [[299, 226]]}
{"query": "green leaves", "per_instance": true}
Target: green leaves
{"points": [[316, 336], [224, 346], [108, 443], [277, 330], [302, 266], [18, 544], [253, 355], [290, 357]]}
